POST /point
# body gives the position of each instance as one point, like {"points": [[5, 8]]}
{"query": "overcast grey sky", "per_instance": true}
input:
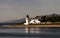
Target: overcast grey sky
{"points": [[16, 9]]}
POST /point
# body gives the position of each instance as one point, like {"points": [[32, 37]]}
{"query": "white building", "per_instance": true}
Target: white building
{"points": [[33, 21]]}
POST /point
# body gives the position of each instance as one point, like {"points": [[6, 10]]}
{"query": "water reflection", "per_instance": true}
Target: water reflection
{"points": [[31, 32], [34, 30]]}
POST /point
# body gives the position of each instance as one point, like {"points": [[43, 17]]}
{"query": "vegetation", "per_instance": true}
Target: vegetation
{"points": [[49, 18]]}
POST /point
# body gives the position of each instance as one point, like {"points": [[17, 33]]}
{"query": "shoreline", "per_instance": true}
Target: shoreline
{"points": [[32, 26]]}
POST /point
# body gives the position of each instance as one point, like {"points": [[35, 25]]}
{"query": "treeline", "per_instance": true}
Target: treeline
{"points": [[49, 18]]}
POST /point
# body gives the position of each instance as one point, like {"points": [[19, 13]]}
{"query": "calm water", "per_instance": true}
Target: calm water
{"points": [[32, 33]]}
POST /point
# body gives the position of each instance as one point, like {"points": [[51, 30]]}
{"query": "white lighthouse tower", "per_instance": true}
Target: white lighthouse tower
{"points": [[27, 20]]}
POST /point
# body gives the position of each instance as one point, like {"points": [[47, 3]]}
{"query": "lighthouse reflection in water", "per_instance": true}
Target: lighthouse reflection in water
{"points": [[32, 30]]}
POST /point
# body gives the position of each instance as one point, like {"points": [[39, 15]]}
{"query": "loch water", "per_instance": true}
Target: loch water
{"points": [[45, 32]]}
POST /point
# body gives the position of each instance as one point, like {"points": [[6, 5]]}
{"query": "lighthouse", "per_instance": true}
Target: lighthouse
{"points": [[27, 20]]}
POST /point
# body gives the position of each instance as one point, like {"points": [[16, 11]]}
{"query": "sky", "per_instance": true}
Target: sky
{"points": [[17, 9]]}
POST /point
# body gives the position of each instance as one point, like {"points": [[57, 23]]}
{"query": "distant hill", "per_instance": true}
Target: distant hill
{"points": [[19, 21]]}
